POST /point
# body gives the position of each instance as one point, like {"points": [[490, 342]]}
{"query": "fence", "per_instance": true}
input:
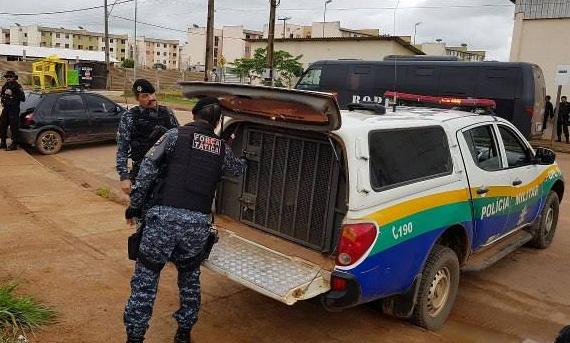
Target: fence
{"points": [[163, 80]]}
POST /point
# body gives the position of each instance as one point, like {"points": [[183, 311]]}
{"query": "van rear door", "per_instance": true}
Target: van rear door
{"points": [[302, 110]]}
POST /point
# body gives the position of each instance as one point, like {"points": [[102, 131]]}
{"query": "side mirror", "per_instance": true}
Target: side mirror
{"points": [[545, 156]]}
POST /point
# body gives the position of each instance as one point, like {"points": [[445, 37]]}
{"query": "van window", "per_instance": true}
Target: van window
{"points": [[483, 147], [361, 78], [407, 155], [311, 79]]}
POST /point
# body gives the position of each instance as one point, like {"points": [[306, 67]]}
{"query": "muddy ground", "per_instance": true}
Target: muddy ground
{"points": [[66, 245]]}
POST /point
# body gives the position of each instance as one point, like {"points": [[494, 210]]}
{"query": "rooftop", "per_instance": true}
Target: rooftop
{"points": [[41, 52]]}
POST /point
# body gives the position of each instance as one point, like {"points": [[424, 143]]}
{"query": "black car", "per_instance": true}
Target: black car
{"points": [[48, 120]]}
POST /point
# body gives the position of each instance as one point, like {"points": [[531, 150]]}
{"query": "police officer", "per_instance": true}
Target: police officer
{"points": [[190, 160], [11, 95], [563, 117], [139, 129]]}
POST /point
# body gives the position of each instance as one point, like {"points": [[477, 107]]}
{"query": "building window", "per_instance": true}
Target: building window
{"points": [[111, 40], [57, 45], [164, 62], [66, 36], [80, 47], [123, 50], [247, 50], [26, 35], [122, 41], [157, 45], [246, 36], [111, 49], [157, 53], [25, 43], [174, 46], [90, 47], [164, 54], [164, 45], [66, 45], [103, 49], [122, 58], [216, 41], [174, 54]]}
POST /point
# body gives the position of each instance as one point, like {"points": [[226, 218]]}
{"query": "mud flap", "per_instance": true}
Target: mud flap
{"points": [[402, 305], [278, 276]]}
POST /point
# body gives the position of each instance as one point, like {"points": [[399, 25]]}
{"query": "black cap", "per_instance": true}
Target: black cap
{"points": [[142, 86], [10, 73], [208, 108]]}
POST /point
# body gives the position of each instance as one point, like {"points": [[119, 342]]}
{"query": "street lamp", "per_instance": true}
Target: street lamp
{"points": [[285, 23], [416, 30], [325, 16]]}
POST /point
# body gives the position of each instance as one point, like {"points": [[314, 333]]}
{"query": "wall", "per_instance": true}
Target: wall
{"points": [[312, 51], [542, 41], [434, 49], [233, 45]]}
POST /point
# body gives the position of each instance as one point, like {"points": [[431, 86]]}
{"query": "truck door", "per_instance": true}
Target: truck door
{"points": [[489, 182], [525, 184]]}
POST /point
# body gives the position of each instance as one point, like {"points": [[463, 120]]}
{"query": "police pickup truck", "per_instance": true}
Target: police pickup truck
{"points": [[360, 205]]}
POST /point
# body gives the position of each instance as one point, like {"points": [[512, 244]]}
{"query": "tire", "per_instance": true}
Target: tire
{"points": [[547, 223], [438, 289], [49, 142]]}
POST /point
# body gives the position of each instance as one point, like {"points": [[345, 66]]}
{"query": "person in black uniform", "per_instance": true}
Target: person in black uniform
{"points": [[548, 112], [189, 161], [563, 113], [139, 128], [11, 96]]}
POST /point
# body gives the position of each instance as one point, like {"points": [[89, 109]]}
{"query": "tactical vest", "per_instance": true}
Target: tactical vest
{"points": [[148, 127], [193, 170]]}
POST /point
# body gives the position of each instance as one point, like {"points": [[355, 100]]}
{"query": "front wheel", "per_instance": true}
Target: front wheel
{"points": [[49, 142], [438, 289], [544, 232]]}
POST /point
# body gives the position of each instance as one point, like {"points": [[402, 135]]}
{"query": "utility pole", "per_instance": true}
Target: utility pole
{"points": [[284, 19], [107, 63], [209, 41], [135, 52], [270, 42]]}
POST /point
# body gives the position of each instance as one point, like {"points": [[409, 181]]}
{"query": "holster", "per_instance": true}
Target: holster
{"points": [[134, 243], [195, 262]]}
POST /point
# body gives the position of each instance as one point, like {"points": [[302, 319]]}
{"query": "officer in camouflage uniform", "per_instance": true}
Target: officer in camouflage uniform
{"points": [[189, 162], [139, 129]]}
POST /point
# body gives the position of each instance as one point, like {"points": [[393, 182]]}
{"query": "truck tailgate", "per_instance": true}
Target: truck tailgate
{"points": [[274, 274]]}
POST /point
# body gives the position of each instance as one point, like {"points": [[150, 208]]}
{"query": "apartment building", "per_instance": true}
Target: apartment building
{"points": [[230, 42], [462, 52], [540, 33], [318, 30], [49, 37], [152, 51]]}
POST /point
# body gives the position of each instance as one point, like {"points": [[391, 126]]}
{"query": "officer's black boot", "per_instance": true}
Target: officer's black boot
{"points": [[134, 340], [12, 147], [182, 335]]}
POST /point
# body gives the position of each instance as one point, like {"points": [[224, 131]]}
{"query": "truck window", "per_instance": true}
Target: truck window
{"points": [[518, 155], [483, 147], [311, 80], [407, 155]]}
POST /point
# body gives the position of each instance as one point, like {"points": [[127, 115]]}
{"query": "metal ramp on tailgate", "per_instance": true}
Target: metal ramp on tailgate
{"points": [[281, 277]]}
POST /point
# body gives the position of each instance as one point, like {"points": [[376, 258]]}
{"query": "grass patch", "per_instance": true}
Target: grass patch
{"points": [[168, 96], [20, 315], [103, 192]]}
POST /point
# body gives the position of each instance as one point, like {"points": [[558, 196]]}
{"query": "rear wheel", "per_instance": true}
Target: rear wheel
{"points": [[544, 232], [49, 142], [438, 289]]}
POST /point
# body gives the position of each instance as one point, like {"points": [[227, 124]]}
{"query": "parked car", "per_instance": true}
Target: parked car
{"points": [[373, 205], [517, 88], [49, 120]]}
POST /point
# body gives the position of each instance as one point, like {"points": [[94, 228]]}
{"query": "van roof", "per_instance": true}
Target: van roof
{"points": [[411, 117], [403, 62]]}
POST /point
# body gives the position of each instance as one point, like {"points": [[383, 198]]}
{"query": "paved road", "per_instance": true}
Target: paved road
{"points": [[523, 297]]}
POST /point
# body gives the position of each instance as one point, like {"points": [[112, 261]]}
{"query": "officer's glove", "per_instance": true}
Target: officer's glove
{"points": [[131, 213]]}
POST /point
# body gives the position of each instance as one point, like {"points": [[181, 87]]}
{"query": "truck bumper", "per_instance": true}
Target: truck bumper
{"points": [[28, 136], [348, 296]]}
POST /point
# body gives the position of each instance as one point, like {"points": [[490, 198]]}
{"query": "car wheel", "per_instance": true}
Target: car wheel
{"points": [[438, 289], [547, 223], [49, 142]]}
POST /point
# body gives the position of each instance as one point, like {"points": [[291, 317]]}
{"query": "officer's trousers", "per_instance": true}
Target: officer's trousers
{"points": [[10, 117], [175, 235], [562, 127]]}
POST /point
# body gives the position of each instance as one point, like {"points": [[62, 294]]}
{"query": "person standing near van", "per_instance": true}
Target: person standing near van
{"points": [[548, 112], [11, 96], [563, 113]]}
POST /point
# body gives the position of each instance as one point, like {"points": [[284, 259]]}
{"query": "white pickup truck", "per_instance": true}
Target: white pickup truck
{"points": [[373, 205]]}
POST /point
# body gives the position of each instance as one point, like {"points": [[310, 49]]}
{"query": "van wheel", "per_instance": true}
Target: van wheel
{"points": [[49, 142], [438, 289], [544, 232]]}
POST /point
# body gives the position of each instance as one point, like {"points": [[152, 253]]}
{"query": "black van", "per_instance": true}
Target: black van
{"points": [[517, 88]]}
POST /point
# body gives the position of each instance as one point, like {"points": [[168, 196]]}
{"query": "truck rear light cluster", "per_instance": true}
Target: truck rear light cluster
{"points": [[354, 241], [29, 119], [338, 283]]}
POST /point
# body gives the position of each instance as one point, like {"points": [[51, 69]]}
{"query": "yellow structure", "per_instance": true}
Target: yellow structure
{"points": [[49, 73]]}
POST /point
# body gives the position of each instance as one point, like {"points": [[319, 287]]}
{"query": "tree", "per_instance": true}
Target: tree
{"points": [[128, 63], [286, 66]]}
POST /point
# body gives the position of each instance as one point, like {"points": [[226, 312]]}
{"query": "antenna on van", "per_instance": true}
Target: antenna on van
{"points": [[395, 100]]}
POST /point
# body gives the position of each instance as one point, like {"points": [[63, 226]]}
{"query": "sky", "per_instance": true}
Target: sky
{"points": [[482, 24]]}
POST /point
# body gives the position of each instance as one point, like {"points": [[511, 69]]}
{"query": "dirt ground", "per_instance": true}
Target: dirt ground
{"points": [[67, 247]]}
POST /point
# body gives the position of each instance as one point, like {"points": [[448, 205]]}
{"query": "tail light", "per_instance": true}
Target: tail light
{"points": [[338, 283], [354, 241], [29, 119]]}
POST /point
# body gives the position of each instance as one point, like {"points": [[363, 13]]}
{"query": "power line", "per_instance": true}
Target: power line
{"points": [[149, 24], [63, 11], [368, 8]]}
